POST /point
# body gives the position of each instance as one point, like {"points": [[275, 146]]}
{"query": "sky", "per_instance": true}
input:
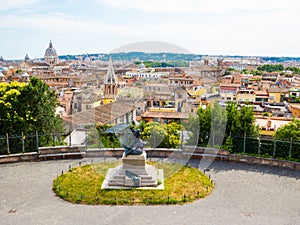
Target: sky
{"points": [[206, 27]]}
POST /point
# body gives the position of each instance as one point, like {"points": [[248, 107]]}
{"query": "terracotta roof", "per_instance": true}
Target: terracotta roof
{"points": [[261, 93], [230, 85], [103, 114], [167, 115], [277, 89]]}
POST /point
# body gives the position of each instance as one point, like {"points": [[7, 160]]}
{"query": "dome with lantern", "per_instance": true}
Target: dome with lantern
{"points": [[51, 56], [50, 51]]}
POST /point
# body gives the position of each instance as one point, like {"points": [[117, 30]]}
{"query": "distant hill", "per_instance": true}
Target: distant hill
{"points": [[136, 56], [142, 56]]}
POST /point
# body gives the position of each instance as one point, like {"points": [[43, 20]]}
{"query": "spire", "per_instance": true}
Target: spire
{"points": [[50, 44], [110, 76]]}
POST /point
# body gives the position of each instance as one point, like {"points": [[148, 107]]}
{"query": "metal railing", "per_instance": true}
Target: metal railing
{"points": [[23, 143], [272, 148]]}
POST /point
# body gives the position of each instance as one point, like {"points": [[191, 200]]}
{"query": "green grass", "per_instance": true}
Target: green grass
{"points": [[83, 185]]}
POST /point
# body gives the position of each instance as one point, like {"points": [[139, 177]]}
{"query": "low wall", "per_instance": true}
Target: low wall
{"points": [[118, 152], [43, 151], [264, 161], [186, 152], [22, 157], [61, 149]]}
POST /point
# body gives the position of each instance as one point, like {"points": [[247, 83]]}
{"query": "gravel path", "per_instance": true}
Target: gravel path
{"points": [[244, 194]]}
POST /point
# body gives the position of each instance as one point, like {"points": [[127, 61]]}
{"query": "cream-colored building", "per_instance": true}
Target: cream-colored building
{"points": [[277, 95], [245, 95]]}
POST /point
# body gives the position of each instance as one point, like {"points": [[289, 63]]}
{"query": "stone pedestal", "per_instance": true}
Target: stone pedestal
{"points": [[134, 172]]}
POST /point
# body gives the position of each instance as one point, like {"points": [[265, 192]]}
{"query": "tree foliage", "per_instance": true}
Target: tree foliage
{"points": [[28, 108], [216, 124], [228, 145], [212, 124], [271, 67], [107, 140], [294, 69], [290, 131], [162, 135], [174, 63], [247, 119], [204, 119]]}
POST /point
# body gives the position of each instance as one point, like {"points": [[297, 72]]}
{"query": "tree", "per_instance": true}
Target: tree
{"points": [[192, 126], [28, 108], [204, 119], [290, 131], [240, 122], [271, 67], [245, 71], [212, 125], [233, 125], [162, 135], [107, 140], [173, 134], [228, 144], [247, 120], [218, 125], [155, 134]]}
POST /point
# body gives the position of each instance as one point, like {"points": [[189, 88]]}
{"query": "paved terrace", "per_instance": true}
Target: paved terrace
{"points": [[244, 194]]}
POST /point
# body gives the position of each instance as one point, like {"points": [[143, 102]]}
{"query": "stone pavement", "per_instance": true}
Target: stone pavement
{"points": [[244, 194]]}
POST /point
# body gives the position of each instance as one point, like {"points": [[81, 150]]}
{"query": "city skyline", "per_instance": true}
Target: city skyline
{"points": [[252, 28]]}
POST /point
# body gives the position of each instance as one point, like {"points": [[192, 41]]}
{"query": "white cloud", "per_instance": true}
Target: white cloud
{"points": [[16, 4], [267, 27], [56, 22], [200, 6], [246, 35]]}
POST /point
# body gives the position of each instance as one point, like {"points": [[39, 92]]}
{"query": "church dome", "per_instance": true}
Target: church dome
{"points": [[50, 51], [27, 57], [142, 66]]}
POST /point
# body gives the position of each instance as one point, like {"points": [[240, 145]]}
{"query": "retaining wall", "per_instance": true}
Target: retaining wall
{"points": [[187, 152], [264, 161]]}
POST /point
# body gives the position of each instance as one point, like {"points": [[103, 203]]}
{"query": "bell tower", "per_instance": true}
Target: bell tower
{"points": [[110, 84]]}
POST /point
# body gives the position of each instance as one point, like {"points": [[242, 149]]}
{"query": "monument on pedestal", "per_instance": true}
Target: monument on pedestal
{"points": [[134, 171]]}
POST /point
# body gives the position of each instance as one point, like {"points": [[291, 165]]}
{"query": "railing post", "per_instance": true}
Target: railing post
{"points": [[70, 139], [7, 143], [274, 149], [291, 146], [259, 144], [37, 142], [181, 140], [244, 143], [53, 139], [23, 142]]}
